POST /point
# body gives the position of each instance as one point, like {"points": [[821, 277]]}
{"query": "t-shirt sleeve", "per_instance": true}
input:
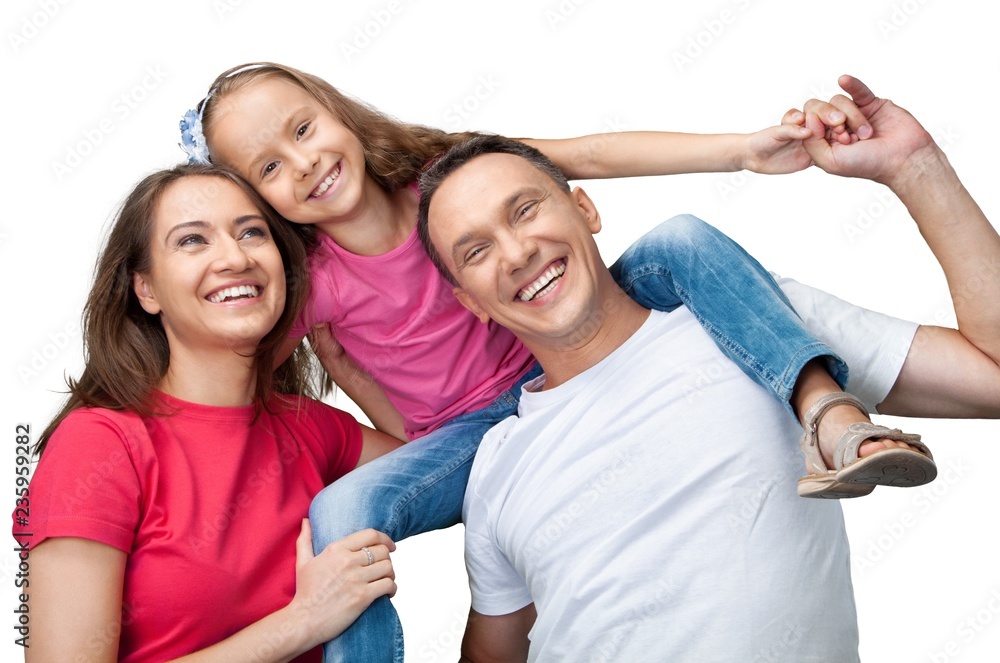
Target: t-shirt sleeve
{"points": [[321, 304], [342, 437], [874, 345], [85, 485], [497, 588]]}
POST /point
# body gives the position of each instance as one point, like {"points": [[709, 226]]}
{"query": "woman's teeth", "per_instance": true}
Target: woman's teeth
{"points": [[238, 292], [543, 284]]}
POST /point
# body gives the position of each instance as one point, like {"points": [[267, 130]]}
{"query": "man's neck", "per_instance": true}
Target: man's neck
{"points": [[613, 323]]}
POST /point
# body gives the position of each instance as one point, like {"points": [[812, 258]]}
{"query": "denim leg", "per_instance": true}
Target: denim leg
{"points": [[417, 488], [685, 260]]}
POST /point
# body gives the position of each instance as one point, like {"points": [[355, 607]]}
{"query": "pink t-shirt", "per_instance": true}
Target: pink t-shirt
{"points": [[397, 318], [206, 502]]}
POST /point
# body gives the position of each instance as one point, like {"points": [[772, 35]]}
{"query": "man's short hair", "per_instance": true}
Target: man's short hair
{"points": [[457, 157]]}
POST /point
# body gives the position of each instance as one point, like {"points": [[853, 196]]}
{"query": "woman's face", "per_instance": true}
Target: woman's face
{"points": [[292, 150], [216, 278]]}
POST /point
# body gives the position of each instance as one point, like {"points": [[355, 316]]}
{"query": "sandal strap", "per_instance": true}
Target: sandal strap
{"points": [[856, 433], [810, 438]]}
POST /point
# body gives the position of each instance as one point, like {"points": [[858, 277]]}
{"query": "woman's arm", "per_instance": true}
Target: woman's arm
{"points": [[66, 574], [331, 590], [639, 153]]}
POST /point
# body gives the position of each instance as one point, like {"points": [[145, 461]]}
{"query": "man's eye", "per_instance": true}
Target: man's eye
{"points": [[270, 167]]}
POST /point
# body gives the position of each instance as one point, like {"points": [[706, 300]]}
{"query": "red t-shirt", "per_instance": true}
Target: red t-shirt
{"points": [[206, 502]]}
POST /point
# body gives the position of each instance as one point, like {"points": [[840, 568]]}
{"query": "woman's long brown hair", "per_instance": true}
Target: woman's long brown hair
{"points": [[126, 349]]}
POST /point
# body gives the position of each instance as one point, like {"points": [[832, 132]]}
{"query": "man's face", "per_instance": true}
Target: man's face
{"points": [[521, 248]]}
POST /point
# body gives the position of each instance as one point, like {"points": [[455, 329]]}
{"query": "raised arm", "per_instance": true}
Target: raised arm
{"points": [[499, 639], [639, 153], [948, 372]]}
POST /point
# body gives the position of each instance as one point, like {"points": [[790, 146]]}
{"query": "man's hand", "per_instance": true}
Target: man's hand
{"points": [[883, 142]]}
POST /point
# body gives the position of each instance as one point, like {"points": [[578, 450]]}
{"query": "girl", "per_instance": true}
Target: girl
{"points": [[423, 368], [175, 479]]}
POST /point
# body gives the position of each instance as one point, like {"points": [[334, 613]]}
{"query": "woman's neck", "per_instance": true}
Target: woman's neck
{"points": [[220, 378], [383, 221]]}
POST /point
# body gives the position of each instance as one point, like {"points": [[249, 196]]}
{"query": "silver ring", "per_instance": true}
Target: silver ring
{"points": [[371, 557]]}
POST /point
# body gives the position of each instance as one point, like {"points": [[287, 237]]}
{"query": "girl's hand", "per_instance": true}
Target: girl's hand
{"points": [[777, 150], [333, 588], [326, 347]]}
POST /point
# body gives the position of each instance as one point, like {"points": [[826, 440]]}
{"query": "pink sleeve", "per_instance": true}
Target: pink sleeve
{"points": [[320, 305], [85, 485]]}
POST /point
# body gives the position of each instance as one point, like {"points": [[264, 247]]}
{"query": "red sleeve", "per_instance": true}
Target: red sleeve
{"points": [[341, 438], [85, 484]]}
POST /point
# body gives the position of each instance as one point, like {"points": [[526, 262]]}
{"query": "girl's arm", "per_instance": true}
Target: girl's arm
{"points": [[638, 153], [332, 589], [359, 386]]}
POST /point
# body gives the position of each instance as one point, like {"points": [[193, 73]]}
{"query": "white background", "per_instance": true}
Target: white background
{"points": [[107, 81]]}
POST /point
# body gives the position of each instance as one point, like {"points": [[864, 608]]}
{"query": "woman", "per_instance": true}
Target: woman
{"points": [[173, 483]]}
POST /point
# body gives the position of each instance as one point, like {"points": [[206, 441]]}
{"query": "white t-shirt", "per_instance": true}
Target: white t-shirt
{"points": [[648, 508]]}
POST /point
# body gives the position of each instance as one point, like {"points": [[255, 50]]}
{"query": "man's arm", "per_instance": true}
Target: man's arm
{"points": [[951, 373], [499, 639]]}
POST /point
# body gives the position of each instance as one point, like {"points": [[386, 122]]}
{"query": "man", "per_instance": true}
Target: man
{"points": [[636, 510]]}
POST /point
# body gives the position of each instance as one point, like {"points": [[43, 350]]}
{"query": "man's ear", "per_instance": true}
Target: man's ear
{"points": [[143, 289], [466, 300], [588, 209]]}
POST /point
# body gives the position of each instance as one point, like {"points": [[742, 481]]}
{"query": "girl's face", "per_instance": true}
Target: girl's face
{"points": [[217, 279], [292, 150]]}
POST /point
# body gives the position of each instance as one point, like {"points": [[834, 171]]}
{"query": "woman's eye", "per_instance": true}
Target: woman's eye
{"points": [[253, 232], [302, 130], [191, 240]]}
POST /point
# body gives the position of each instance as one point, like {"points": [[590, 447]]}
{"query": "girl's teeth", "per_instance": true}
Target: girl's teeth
{"points": [[543, 283], [236, 292], [326, 184]]}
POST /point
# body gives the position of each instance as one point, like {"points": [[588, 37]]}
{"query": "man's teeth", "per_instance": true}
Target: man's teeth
{"points": [[234, 293], [543, 284], [327, 183]]}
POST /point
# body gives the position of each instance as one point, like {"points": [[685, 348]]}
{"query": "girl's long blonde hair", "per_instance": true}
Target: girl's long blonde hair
{"points": [[395, 152]]}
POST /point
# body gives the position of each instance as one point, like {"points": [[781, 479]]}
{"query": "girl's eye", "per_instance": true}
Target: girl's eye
{"points": [[302, 130]]}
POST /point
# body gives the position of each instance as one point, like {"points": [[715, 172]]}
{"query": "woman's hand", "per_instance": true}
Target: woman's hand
{"points": [[333, 588]]}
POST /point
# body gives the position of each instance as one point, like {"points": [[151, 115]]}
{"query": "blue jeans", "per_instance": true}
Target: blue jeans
{"points": [[421, 486]]}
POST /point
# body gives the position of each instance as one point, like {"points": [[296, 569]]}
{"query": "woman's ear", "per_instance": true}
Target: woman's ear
{"points": [[144, 292]]}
